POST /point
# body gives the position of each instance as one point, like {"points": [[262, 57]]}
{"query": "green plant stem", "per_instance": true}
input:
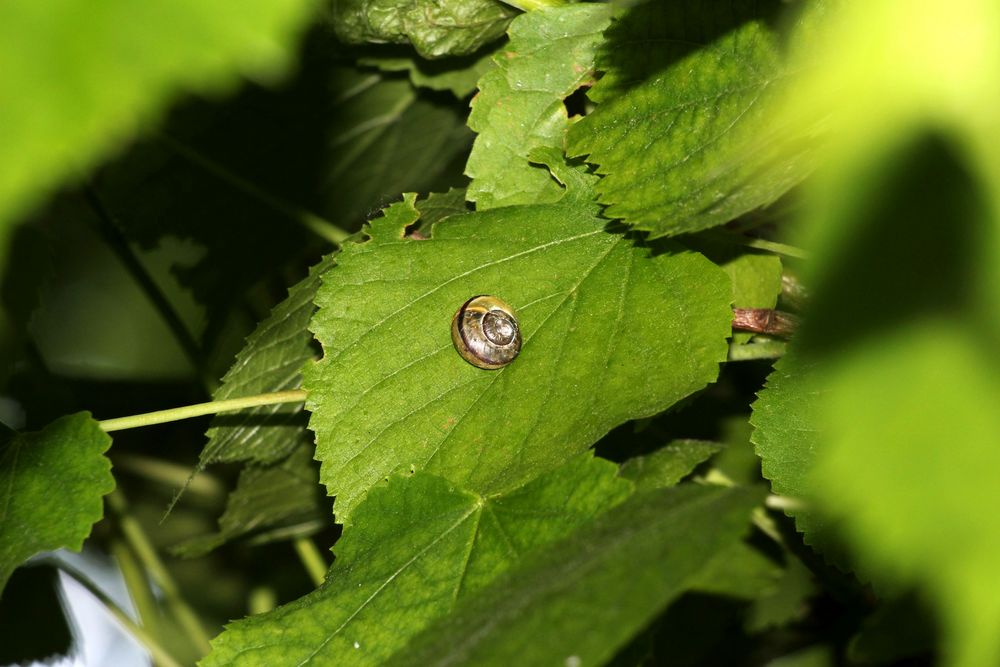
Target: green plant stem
{"points": [[138, 587], [759, 244], [201, 409], [772, 349], [143, 549], [311, 558], [110, 231], [159, 654], [314, 223], [171, 474]]}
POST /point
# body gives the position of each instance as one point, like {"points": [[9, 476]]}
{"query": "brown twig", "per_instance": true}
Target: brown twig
{"points": [[765, 321]]}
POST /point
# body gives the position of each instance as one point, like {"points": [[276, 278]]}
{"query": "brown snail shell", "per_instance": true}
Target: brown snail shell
{"points": [[486, 333]]}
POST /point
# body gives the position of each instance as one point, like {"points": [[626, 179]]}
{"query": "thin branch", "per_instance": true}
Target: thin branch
{"points": [[312, 559], [201, 409], [144, 550], [314, 223], [765, 321], [159, 654]]}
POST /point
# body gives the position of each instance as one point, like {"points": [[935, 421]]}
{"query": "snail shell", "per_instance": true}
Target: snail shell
{"points": [[486, 333]]}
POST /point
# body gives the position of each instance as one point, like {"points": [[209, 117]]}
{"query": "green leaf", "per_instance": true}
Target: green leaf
{"points": [[51, 485], [458, 75], [581, 599], [274, 501], [520, 102], [417, 546], [391, 394], [786, 437], [79, 79], [438, 206], [669, 464], [271, 360], [684, 133], [435, 29]]}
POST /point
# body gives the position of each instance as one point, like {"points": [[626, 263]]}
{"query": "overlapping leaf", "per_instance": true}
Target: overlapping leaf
{"points": [[684, 132], [78, 79], [459, 75], [51, 487], [612, 330], [418, 546], [581, 599], [434, 29], [669, 464], [520, 103]]}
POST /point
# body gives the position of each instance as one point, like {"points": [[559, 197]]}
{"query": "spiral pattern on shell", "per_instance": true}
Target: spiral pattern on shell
{"points": [[486, 333]]}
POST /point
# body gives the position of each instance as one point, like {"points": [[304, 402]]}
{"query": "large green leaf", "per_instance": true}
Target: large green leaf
{"points": [[51, 485], [581, 599], [684, 132], [418, 545], [520, 102], [434, 29], [81, 77], [613, 330]]}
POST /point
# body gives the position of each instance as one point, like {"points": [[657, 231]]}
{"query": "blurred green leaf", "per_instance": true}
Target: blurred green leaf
{"points": [[391, 394], [434, 29], [669, 464], [419, 545], [683, 132], [80, 78], [51, 485], [584, 597], [458, 75], [520, 102], [271, 501]]}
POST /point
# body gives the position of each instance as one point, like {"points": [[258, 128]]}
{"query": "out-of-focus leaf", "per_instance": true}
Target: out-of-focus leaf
{"points": [[51, 485], [435, 29], [669, 464], [418, 546], [280, 499], [391, 394], [581, 599], [79, 78], [243, 180], [520, 103], [458, 75], [684, 132], [271, 360]]}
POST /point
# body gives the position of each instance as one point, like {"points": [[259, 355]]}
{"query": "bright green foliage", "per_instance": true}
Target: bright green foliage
{"points": [[272, 360], [391, 394], [80, 77], [418, 546], [51, 485], [683, 132], [458, 75], [434, 29], [786, 437], [439, 205], [669, 464], [520, 102], [270, 501], [584, 597]]}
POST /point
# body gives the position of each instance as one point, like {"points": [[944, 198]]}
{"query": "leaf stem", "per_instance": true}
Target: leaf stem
{"points": [[171, 474], [201, 409], [137, 584], [314, 223], [765, 321], [311, 558], [143, 549], [759, 244], [159, 654]]}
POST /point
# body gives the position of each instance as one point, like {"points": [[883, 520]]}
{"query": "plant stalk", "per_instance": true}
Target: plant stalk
{"points": [[201, 409], [312, 559]]}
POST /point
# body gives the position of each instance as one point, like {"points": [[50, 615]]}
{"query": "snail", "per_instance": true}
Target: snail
{"points": [[486, 333]]}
